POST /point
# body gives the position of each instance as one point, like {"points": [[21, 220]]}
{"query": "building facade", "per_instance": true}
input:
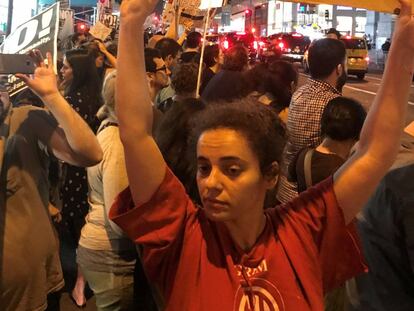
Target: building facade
{"points": [[272, 16]]}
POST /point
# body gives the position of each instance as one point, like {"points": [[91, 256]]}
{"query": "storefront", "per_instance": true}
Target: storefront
{"points": [[312, 20], [22, 11]]}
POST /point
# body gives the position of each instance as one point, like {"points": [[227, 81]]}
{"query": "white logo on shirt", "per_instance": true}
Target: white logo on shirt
{"points": [[265, 297], [263, 301], [251, 272]]}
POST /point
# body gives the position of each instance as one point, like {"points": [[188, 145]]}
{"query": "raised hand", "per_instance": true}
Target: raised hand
{"points": [[137, 10], [102, 47], [43, 82], [404, 31]]}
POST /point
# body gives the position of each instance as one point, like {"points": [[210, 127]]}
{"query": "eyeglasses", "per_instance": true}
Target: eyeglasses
{"points": [[163, 68]]}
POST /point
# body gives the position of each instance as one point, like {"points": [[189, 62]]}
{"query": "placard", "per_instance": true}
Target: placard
{"points": [[40, 32]]}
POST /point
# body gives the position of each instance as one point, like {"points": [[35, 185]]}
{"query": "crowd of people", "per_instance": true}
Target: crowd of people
{"points": [[123, 178]]}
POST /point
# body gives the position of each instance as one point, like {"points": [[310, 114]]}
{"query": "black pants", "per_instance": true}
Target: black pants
{"points": [[53, 301]]}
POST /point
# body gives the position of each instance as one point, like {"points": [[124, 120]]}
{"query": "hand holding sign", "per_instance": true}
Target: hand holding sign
{"points": [[43, 82]]}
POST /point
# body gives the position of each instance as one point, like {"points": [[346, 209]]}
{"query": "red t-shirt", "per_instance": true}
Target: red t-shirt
{"points": [[305, 250]]}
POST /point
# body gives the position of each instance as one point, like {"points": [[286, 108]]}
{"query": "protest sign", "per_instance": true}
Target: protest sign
{"points": [[66, 23], [40, 32], [207, 4], [100, 31], [191, 16], [110, 20]]}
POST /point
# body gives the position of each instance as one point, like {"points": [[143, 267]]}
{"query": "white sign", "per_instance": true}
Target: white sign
{"points": [[40, 32], [100, 31], [206, 4]]}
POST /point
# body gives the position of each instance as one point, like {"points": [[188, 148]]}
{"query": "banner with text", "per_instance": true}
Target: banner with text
{"points": [[387, 6], [40, 32]]}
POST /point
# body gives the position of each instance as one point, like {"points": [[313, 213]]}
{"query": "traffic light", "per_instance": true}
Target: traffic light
{"points": [[302, 8], [82, 27], [248, 12], [326, 14]]}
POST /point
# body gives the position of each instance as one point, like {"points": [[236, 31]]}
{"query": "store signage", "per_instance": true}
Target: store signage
{"points": [[40, 32], [207, 4], [388, 6]]}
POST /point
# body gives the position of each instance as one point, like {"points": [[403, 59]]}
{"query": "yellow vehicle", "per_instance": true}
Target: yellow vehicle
{"points": [[357, 56]]}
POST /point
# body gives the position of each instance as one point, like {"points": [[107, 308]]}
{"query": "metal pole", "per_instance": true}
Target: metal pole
{"points": [[203, 46], [9, 17]]}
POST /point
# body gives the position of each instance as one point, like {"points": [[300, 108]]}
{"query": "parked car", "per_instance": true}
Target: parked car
{"points": [[246, 39], [356, 54], [289, 46]]}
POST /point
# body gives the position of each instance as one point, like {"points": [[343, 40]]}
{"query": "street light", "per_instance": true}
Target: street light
{"points": [[9, 17]]}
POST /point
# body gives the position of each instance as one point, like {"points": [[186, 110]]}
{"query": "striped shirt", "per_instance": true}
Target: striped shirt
{"points": [[304, 127]]}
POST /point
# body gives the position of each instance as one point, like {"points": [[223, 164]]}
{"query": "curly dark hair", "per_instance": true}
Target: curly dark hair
{"points": [[259, 124], [184, 78]]}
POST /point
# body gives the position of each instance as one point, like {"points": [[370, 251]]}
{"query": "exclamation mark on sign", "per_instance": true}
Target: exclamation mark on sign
{"points": [[46, 19]]}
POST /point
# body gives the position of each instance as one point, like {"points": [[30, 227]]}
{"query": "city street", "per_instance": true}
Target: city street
{"points": [[365, 91]]}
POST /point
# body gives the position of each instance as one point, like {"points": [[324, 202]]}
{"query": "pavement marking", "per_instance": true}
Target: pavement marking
{"points": [[371, 77], [377, 84], [368, 92], [378, 79], [360, 90]]}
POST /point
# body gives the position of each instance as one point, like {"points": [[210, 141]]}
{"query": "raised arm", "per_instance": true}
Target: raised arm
{"points": [[73, 141], [172, 31], [109, 56], [356, 180], [144, 162]]}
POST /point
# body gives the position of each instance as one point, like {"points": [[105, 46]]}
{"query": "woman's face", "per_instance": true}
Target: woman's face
{"points": [[230, 182], [66, 71], [99, 61], [220, 59]]}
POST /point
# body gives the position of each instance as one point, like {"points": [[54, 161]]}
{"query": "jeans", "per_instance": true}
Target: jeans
{"points": [[113, 292]]}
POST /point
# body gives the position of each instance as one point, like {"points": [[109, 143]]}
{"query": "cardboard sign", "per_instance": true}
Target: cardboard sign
{"points": [[100, 31], [387, 6], [40, 32], [191, 16]]}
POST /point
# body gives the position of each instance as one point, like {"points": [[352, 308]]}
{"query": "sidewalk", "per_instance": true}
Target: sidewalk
{"points": [[376, 63]]}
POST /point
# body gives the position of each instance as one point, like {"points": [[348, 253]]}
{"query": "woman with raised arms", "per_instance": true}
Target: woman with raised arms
{"points": [[231, 254]]}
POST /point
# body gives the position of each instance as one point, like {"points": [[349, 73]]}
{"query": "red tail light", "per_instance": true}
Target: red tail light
{"points": [[225, 44], [281, 45], [261, 43], [255, 45]]}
